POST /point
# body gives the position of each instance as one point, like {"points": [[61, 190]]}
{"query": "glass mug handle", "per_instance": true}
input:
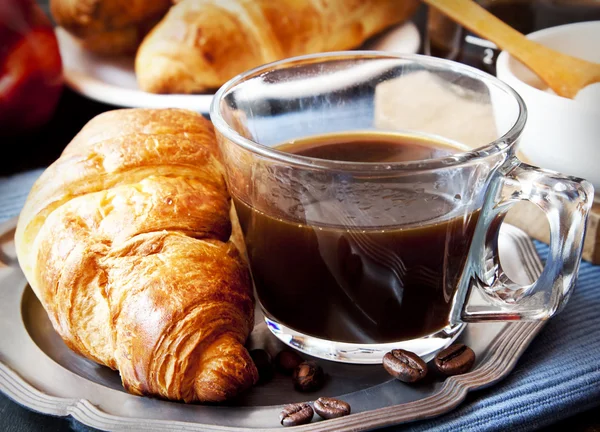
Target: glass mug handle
{"points": [[566, 202]]}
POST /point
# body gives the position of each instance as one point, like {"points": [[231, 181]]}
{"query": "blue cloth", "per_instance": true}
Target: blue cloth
{"points": [[558, 376], [13, 192]]}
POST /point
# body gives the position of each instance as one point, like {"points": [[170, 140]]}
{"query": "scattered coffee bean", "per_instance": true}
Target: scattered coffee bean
{"points": [[264, 365], [296, 414], [404, 365], [286, 361], [454, 360], [329, 408], [308, 376]]}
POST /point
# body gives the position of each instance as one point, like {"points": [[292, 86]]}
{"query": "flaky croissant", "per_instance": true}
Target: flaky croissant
{"points": [[109, 26], [127, 241], [200, 44]]}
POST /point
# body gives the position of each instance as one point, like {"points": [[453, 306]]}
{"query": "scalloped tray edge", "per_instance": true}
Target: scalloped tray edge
{"points": [[493, 368]]}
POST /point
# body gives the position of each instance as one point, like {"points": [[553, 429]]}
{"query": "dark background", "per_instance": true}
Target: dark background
{"points": [[40, 148]]}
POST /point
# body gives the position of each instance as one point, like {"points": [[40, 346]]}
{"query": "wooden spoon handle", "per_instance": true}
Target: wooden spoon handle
{"points": [[474, 17], [551, 66]]}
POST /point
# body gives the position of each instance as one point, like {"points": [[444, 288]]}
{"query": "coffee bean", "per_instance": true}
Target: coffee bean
{"points": [[286, 361], [296, 414], [329, 408], [264, 365], [454, 360], [404, 365], [308, 376]]}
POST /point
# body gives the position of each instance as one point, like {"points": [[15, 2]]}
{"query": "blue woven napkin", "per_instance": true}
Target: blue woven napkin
{"points": [[558, 376]]}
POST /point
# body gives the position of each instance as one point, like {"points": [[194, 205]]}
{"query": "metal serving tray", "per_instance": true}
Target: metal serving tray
{"points": [[38, 371]]}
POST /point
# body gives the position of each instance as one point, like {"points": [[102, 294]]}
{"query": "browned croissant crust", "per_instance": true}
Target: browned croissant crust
{"points": [[109, 26], [125, 239], [200, 44]]}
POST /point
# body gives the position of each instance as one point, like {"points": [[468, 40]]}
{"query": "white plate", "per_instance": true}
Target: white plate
{"points": [[111, 80]]}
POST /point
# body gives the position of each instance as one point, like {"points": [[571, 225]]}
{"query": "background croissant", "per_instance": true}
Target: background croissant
{"points": [[200, 44], [128, 242], [109, 26]]}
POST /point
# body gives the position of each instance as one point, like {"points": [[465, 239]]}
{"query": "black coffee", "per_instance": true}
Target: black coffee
{"points": [[356, 284], [368, 147]]}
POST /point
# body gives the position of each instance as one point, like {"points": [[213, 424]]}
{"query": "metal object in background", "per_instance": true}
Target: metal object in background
{"points": [[447, 39]]}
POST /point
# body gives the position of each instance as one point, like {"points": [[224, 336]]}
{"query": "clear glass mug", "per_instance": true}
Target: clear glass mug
{"points": [[352, 259]]}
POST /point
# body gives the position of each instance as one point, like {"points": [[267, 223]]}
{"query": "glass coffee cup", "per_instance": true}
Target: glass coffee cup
{"points": [[370, 189]]}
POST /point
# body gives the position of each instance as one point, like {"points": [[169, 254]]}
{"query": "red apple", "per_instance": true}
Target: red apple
{"points": [[30, 67]]}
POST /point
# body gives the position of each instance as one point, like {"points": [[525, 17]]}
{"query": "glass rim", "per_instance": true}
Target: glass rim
{"points": [[492, 148]]}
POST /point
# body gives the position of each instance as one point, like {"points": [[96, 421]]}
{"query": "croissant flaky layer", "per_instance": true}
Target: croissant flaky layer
{"points": [[127, 241], [200, 44]]}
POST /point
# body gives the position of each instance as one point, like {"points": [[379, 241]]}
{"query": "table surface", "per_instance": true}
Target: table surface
{"points": [[40, 148]]}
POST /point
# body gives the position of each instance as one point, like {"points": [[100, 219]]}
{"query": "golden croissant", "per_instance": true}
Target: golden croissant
{"points": [[109, 26], [200, 44], [128, 241]]}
